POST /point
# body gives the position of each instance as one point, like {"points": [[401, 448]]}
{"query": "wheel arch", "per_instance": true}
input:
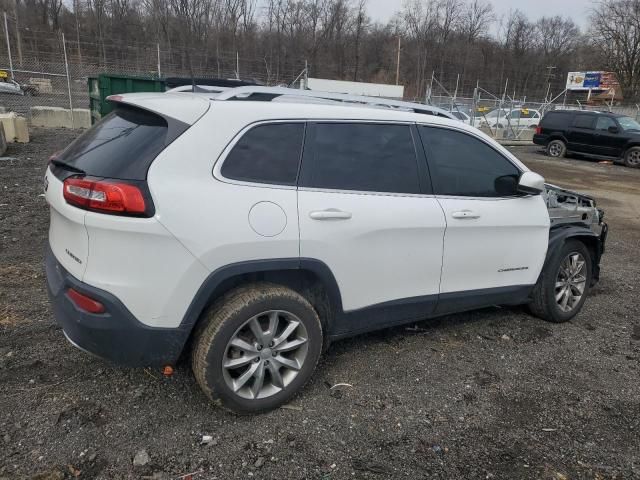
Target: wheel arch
{"points": [[311, 278], [556, 136], [629, 146], [558, 236]]}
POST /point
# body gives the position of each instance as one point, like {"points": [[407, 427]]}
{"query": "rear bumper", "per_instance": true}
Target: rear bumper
{"points": [[539, 139], [114, 335]]}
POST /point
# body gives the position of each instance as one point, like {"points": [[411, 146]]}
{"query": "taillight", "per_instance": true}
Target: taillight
{"points": [[108, 196], [538, 130], [84, 302]]}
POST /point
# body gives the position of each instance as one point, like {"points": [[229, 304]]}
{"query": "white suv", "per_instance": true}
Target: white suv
{"points": [[251, 233]]}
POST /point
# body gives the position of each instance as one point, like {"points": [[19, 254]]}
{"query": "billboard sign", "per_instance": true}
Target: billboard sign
{"points": [[591, 80]]}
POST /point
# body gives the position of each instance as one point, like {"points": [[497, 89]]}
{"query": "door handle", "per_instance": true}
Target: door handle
{"points": [[330, 214], [462, 214]]}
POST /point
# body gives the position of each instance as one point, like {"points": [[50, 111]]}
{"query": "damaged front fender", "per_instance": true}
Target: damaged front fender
{"points": [[575, 215]]}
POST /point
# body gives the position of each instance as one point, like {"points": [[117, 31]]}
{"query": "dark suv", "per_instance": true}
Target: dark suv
{"points": [[590, 133]]}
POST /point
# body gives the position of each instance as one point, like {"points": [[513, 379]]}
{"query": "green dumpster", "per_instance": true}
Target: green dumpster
{"points": [[102, 86]]}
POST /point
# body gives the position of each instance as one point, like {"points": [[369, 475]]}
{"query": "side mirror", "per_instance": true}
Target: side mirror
{"points": [[613, 129], [531, 183]]}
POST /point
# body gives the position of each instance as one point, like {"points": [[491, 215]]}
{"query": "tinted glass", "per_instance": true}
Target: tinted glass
{"points": [[266, 154], [559, 120], [462, 165], [459, 115], [603, 123], [122, 145], [584, 121], [364, 157]]}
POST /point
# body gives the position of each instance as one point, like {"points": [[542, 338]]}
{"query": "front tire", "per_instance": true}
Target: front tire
{"points": [[563, 284], [556, 149], [257, 348], [632, 157]]}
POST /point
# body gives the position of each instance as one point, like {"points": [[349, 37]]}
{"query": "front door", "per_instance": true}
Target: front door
{"points": [[606, 142], [496, 241], [366, 211]]}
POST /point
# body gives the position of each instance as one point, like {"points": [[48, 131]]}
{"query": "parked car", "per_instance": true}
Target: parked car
{"points": [[600, 134], [462, 116], [516, 118], [249, 234], [14, 88]]}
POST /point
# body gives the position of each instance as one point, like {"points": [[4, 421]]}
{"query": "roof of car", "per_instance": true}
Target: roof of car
{"points": [[188, 107], [587, 112]]}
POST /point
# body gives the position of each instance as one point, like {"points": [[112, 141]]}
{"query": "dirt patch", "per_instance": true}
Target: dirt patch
{"points": [[487, 394]]}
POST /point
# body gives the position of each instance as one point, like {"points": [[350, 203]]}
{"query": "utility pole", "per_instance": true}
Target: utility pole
{"points": [[549, 75], [76, 8], [398, 63], [6, 34], [18, 39]]}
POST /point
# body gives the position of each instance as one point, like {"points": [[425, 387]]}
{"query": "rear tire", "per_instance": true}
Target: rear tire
{"points": [[556, 149], [564, 284], [256, 348], [632, 157]]}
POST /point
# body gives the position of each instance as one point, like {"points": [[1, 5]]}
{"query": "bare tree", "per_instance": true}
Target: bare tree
{"points": [[476, 18], [557, 36], [615, 27], [360, 24]]}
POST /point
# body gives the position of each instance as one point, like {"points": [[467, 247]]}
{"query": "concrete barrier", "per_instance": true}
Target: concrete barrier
{"points": [[43, 84], [524, 135], [3, 141], [15, 127], [58, 117]]}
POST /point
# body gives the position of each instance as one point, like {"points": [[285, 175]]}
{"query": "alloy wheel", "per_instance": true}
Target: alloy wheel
{"points": [[633, 158], [555, 149], [265, 354], [571, 281]]}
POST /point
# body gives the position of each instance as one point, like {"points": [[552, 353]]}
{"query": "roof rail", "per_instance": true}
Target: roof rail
{"points": [[269, 93]]}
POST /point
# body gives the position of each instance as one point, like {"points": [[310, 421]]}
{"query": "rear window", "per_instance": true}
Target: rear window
{"points": [[559, 120], [122, 145]]}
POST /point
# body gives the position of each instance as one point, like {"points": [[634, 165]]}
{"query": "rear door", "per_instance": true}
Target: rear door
{"points": [[366, 211], [581, 134], [496, 241]]}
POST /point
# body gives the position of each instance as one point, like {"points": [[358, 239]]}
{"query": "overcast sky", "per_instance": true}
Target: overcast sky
{"points": [[577, 10]]}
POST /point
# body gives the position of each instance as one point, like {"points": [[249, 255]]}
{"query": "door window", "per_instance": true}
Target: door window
{"points": [[363, 157], [603, 123], [266, 154], [584, 121], [462, 165]]}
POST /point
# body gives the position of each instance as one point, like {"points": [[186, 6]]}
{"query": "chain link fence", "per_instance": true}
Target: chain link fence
{"points": [[505, 115], [56, 74]]}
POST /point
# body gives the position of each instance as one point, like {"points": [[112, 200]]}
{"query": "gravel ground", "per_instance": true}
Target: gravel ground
{"points": [[488, 394]]}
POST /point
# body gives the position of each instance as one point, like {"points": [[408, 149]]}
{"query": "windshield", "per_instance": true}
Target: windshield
{"points": [[628, 123]]}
